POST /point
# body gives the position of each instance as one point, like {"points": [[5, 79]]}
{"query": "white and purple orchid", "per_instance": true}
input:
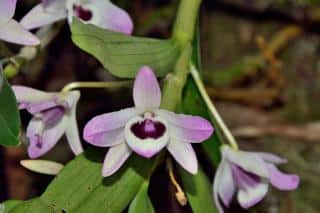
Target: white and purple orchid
{"points": [[11, 30], [248, 174], [53, 115], [101, 13], [146, 130]]}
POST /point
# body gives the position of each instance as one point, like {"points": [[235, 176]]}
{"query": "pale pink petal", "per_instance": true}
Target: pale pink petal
{"points": [[187, 128], [115, 158], [39, 16], [226, 187], [146, 90], [217, 181], [13, 32], [42, 141], [281, 180], [103, 14], [108, 127], [72, 131], [248, 161], [30, 95], [252, 195], [7, 9], [184, 154]]}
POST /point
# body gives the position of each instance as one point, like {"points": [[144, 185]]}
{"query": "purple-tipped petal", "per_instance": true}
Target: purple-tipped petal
{"points": [[115, 158], [187, 128], [40, 16], [103, 14], [34, 108], [30, 95], [252, 195], [184, 154], [107, 129], [281, 180], [72, 131], [43, 139], [226, 187], [13, 32], [145, 146], [7, 9], [146, 90], [248, 161]]}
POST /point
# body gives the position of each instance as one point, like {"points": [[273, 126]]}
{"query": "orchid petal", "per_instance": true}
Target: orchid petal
{"points": [[72, 131], [104, 14], [252, 195], [187, 128], [43, 139], [107, 125], [115, 158], [13, 32], [226, 187], [270, 158], [184, 154], [248, 161], [42, 166], [39, 16], [218, 180], [30, 95], [54, 6], [34, 108], [146, 90], [281, 180], [146, 147], [7, 9]]}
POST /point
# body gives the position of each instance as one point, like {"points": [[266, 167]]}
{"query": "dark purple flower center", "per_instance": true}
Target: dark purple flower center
{"points": [[82, 13], [148, 129]]}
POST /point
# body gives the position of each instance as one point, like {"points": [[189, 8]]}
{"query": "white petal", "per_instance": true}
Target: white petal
{"points": [[115, 158], [72, 132], [27, 94], [218, 179], [184, 154], [42, 166], [39, 16], [226, 187], [271, 158], [13, 32], [252, 195]]}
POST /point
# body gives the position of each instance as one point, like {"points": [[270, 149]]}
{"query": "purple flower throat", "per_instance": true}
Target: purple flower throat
{"points": [[82, 13], [148, 129]]}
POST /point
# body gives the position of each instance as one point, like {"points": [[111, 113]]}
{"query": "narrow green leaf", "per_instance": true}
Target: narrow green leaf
{"points": [[142, 202], [123, 55], [9, 116], [199, 191], [80, 187]]}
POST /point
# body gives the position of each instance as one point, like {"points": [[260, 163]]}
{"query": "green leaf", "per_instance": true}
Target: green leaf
{"points": [[199, 191], [9, 116], [8, 205], [80, 187], [142, 202], [124, 55]]}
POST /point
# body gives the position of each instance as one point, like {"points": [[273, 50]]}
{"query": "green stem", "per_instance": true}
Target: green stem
{"points": [[217, 120], [183, 33], [76, 85]]}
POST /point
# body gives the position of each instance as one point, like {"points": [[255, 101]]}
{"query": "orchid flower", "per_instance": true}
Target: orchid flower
{"points": [[248, 174], [12, 31], [53, 115], [101, 13], [146, 130]]}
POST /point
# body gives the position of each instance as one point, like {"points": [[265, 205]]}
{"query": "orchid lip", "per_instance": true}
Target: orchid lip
{"points": [[82, 13], [148, 129]]}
